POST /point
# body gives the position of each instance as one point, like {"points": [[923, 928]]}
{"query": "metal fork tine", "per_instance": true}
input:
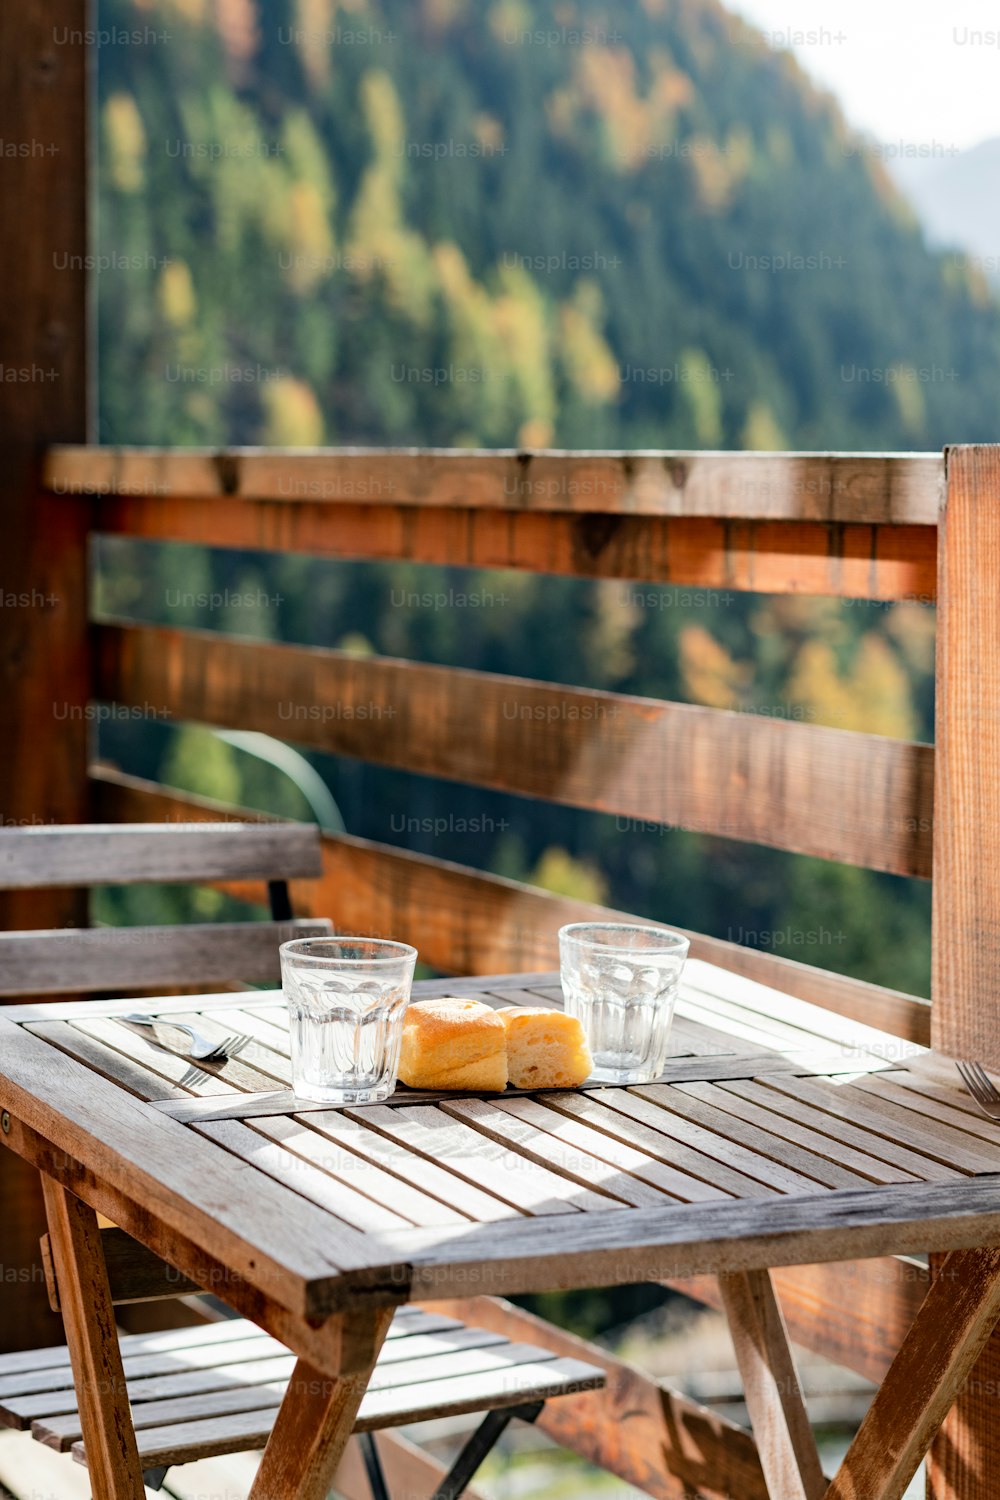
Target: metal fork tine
{"points": [[234, 1045], [987, 1084], [970, 1080]]}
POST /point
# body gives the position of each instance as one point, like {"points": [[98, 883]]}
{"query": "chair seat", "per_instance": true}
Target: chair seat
{"points": [[215, 1388]]}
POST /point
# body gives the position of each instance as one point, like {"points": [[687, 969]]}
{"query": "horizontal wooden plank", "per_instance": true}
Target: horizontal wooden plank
{"points": [[519, 1383], [135, 1274], [95, 854], [658, 1244], [65, 960], [894, 488], [857, 798], [772, 557], [466, 922], [856, 1313], [684, 1070], [463, 1152]]}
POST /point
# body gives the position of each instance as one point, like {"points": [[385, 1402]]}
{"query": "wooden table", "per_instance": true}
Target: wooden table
{"points": [[781, 1135]]}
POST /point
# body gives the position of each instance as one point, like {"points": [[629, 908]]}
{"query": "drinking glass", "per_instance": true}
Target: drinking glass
{"points": [[621, 981], [346, 1000]]}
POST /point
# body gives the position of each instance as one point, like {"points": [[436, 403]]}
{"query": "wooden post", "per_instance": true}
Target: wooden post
{"points": [[44, 675], [965, 983], [101, 1393]]}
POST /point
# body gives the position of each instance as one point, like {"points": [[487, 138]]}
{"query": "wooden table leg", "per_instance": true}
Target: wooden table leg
{"points": [[89, 1320], [315, 1420], [778, 1416], [956, 1319]]}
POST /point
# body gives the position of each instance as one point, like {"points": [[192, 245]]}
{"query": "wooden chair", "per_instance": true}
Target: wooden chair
{"points": [[129, 960], [87, 960], [214, 1389]]}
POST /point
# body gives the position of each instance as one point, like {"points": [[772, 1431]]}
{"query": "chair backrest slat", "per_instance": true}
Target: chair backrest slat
{"points": [[147, 853], [77, 961]]}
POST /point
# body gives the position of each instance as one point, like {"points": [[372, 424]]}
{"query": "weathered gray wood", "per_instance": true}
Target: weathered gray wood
{"points": [[606, 1149], [284, 1102], [143, 853], [716, 1139], [652, 1244], [570, 1160], [524, 1185], [702, 1110], [136, 958], [522, 1379], [90, 1332], [301, 1143], [774, 1398], [272, 1237], [890, 488]]}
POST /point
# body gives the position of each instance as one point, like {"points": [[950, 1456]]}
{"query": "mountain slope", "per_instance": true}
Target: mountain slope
{"points": [[530, 221]]}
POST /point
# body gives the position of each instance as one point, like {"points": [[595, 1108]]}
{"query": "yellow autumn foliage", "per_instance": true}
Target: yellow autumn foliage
{"points": [[293, 418], [709, 673], [872, 696], [126, 142], [559, 872], [175, 295]]}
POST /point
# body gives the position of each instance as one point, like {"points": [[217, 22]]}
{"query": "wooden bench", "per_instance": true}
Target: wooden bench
{"points": [[204, 1391]]}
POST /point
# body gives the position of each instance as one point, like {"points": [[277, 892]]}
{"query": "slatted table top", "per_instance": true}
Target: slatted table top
{"points": [[780, 1134]]}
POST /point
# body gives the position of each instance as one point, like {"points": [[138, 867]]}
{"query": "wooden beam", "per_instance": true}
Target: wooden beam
{"points": [[774, 1398], [966, 917], [313, 1425], [648, 1435], [89, 1320], [965, 949], [855, 1313], [894, 489], [134, 1273], [833, 793], [126, 959], [851, 561], [93, 854], [467, 922], [44, 674], [937, 1356]]}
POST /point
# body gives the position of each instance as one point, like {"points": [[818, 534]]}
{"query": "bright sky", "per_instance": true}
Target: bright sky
{"points": [[920, 71]]}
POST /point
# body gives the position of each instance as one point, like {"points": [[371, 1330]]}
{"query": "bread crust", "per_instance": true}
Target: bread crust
{"points": [[451, 1043]]}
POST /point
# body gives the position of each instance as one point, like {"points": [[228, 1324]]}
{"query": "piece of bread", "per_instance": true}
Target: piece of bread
{"points": [[546, 1049], [453, 1044]]}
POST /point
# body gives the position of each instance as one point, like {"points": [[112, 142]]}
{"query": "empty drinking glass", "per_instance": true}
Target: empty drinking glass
{"points": [[621, 981], [346, 1000]]}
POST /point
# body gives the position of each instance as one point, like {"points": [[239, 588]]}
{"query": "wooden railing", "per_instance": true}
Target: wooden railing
{"points": [[863, 527], [850, 526]]}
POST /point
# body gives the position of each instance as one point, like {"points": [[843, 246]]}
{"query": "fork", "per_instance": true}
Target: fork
{"points": [[981, 1087], [201, 1048]]}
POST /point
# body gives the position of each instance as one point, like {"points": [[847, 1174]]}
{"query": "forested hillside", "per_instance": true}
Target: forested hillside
{"points": [[512, 223]]}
